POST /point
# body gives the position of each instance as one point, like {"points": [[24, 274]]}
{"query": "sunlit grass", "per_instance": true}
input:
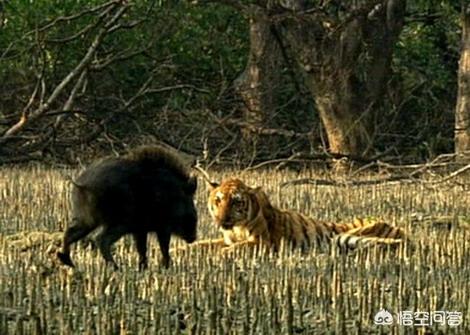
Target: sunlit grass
{"points": [[207, 292]]}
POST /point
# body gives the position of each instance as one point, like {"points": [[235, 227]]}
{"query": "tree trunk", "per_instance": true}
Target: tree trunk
{"points": [[346, 128], [257, 84], [462, 112], [345, 58]]}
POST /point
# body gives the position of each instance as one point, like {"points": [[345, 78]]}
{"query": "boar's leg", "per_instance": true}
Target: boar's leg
{"points": [[74, 233], [164, 242], [106, 238], [141, 244]]}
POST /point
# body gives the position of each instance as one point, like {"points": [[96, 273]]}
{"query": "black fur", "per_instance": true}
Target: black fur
{"points": [[147, 190]]}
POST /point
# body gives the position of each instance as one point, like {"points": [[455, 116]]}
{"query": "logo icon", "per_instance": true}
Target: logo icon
{"points": [[383, 317]]}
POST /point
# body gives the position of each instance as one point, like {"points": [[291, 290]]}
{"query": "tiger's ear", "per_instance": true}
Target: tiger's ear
{"points": [[258, 194], [254, 192], [212, 184]]}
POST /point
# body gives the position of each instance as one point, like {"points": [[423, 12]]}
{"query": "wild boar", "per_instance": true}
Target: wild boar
{"points": [[147, 190]]}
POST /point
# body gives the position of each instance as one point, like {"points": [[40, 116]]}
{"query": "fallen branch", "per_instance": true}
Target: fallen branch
{"points": [[404, 178], [348, 183], [322, 157], [453, 175]]}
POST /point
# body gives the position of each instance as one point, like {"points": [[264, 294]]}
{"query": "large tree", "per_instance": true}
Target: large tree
{"points": [[462, 113], [258, 82], [343, 52]]}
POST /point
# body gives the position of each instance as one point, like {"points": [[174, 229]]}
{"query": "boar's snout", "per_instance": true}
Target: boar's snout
{"points": [[190, 238], [189, 229], [190, 233]]}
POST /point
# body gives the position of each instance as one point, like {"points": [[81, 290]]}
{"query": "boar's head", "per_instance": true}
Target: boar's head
{"points": [[180, 204]]}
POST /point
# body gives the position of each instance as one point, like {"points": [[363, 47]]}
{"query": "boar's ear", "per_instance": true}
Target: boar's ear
{"points": [[192, 184]]}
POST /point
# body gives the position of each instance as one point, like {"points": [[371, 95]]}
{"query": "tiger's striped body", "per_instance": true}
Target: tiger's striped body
{"points": [[245, 215]]}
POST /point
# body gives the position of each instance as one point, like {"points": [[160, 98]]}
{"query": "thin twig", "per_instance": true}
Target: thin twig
{"points": [[293, 158]]}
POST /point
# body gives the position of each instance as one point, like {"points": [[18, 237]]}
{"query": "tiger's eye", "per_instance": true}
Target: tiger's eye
{"points": [[218, 197]]}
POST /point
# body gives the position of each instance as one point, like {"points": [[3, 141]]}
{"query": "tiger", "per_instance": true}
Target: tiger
{"points": [[246, 216]]}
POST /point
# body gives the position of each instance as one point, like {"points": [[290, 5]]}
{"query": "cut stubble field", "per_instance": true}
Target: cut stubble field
{"points": [[207, 291]]}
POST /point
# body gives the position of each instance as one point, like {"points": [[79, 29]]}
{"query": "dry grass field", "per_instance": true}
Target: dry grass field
{"points": [[208, 292]]}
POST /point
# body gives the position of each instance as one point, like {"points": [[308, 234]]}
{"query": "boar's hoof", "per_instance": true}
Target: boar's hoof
{"points": [[65, 259], [165, 263]]}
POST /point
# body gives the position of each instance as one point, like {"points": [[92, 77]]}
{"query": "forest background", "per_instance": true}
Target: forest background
{"points": [[235, 82]]}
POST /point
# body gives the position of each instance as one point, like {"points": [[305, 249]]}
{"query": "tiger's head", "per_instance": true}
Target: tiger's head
{"points": [[232, 203]]}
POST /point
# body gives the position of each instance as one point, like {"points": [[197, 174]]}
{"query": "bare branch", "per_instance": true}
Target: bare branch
{"points": [[259, 130], [78, 15], [232, 3], [293, 158], [410, 177], [72, 75], [221, 151], [267, 131], [17, 126], [177, 87], [78, 34], [125, 26], [206, 176], [69, 103]]}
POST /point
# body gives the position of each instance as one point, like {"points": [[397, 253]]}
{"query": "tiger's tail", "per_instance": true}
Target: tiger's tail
{"points": [[349, 241], [376, 233]]}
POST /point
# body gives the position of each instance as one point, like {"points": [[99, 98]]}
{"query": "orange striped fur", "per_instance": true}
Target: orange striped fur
{"points": [[246, 216]]}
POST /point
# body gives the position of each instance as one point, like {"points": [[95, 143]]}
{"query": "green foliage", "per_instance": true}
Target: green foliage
{"points": [[191, 53], [425, 82], [210, 35], [177, 43], [199, 41]]}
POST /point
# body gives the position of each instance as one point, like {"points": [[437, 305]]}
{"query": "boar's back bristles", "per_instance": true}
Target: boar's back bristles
{"points": [[154, 156]]}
